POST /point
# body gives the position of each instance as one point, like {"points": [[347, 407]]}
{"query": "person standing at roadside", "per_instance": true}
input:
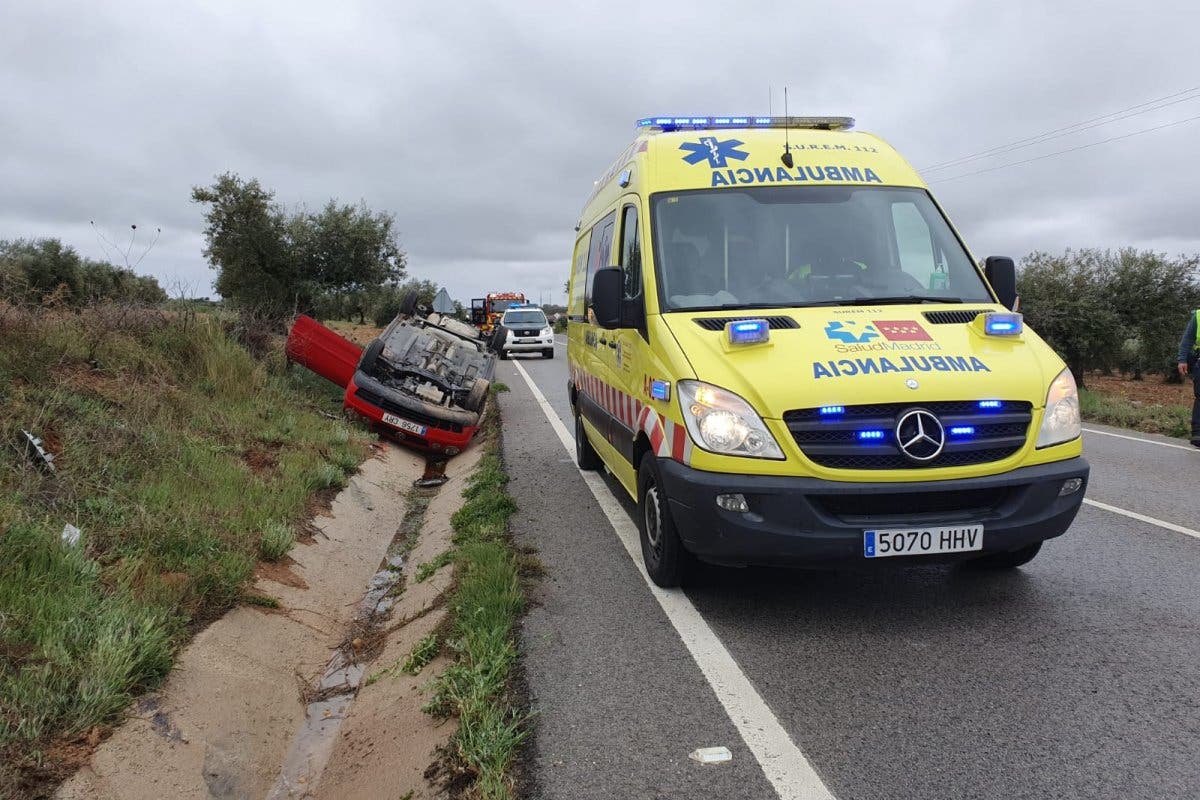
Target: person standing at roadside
{"points": [[1189, 350]]}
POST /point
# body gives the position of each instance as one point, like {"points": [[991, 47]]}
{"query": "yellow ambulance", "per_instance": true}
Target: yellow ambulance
{"points": [[784, 352]]}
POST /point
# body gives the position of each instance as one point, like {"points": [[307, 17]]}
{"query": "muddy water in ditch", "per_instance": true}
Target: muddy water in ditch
{"points": [[335, 691]]}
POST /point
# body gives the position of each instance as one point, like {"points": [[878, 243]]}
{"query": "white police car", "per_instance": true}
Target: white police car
{"points": [[524, 329]]}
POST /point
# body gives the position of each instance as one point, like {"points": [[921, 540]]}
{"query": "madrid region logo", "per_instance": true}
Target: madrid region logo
{"points": [[843, 332], [717, 151]]}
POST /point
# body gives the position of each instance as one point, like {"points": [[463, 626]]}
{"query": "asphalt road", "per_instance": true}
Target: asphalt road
{"points": [[1077, 676]]}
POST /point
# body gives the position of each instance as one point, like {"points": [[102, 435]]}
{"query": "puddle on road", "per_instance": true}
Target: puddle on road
{"points": [[335, 691]]}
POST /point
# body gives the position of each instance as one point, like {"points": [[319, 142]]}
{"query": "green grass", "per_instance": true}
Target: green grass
{"points": [[152, 417], [485, 603], [277, 540], [426, 569], [422, 653], [1107, 409]]}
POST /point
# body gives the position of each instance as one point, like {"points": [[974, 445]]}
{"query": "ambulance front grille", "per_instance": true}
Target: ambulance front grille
{"points": [[956, 317], [775, 323], [832, 439]]}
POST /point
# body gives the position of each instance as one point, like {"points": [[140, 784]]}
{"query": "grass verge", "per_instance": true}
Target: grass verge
{"points": [[1109, 409], [485, 602], [183, 459]]}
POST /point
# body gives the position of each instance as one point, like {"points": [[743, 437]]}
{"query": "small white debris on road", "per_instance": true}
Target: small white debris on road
{"points": [[711, 755]]}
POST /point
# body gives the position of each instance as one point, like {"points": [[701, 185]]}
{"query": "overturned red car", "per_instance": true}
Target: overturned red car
{"points": [[424, 381]]}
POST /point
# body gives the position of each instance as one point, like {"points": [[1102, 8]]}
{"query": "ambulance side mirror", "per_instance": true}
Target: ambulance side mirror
{"points": [[607, 286], [1001, 273]]}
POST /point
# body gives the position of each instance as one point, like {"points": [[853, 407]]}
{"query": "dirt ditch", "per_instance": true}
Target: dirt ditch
{"points": [[307, 700]]}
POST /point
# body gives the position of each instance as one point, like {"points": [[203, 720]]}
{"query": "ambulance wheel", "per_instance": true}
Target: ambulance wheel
{"points": [[585, 455], [548, 352], [1010, 560], [667, 562]]}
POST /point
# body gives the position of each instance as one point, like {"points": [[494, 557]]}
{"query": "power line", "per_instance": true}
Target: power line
{"points": [[1078, 127], [1068, 150]]}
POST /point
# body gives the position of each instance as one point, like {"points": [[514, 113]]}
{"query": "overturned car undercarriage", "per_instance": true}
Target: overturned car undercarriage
{"points": [[424, 381]]}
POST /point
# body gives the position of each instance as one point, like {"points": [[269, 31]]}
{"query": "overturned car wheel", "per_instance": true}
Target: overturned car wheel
{"points": [[477, 397]]}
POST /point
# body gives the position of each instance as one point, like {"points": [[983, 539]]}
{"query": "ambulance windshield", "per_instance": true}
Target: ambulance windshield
{"points": [[796, 246]]}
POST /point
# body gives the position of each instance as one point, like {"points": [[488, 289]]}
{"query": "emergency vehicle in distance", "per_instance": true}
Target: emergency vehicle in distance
{"points": [[486, 311], [785, 354]]}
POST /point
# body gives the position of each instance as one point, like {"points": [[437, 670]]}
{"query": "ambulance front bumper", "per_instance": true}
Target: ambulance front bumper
{"points": [[809, 521]]}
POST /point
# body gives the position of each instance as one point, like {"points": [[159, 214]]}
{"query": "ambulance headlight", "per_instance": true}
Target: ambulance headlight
{"points": [[721, 422], [1061, 421]]}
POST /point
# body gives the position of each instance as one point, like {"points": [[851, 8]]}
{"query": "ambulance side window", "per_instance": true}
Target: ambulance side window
{"points": [[601, 252], [575, 306], [631, 253], [915, 247]]}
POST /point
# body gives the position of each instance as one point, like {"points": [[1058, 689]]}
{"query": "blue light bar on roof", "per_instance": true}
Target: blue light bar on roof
{"points": [[748, 331], [667, 124], [1002, 323]]}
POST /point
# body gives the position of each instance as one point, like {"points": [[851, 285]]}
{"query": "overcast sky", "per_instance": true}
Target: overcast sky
{"points": [[483, 126]]}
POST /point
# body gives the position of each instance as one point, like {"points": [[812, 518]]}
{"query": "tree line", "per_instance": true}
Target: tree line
{"points": [[1111, 310], [46, 270], [339, 262]]}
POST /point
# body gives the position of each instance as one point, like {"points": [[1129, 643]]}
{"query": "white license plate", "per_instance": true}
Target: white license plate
{"points": [[404, 425], [922, 541]]}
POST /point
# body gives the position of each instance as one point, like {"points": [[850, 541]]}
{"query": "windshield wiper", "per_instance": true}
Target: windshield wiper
{"points": [[901, 298]]}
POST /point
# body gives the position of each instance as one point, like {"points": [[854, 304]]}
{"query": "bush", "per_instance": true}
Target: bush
{"points": [[33, 271], [1064, 299]]}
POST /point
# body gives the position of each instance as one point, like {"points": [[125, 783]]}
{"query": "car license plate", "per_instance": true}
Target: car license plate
{"points": [[404, 425], [922, 541]]}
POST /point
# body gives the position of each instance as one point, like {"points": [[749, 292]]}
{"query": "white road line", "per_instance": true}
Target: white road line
{"points": [[1171, 526], [1139, 439], [782, 762]]}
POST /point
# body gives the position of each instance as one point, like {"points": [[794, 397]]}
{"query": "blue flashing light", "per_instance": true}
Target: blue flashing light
{"points": [[828, 411], [990, 404], [1002, 323], [660, 390], [748, 331], [870, 436], [962, 430], [668, 124]]}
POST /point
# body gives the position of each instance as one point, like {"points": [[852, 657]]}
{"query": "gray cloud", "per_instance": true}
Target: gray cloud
{"points": [[482, 127]]}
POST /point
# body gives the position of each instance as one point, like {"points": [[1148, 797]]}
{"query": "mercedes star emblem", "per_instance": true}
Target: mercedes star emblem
{"points": [[920, 435]]}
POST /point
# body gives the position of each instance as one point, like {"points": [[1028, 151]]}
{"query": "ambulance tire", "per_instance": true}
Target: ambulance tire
{"points": [[667, 562], [585, 455], [1010, 560]]}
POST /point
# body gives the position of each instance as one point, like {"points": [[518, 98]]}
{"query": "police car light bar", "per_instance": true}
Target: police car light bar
{"points": [[748, 331], [1002, 323], [667, 124]]}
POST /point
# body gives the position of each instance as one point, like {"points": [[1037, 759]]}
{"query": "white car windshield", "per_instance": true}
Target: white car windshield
{"points": [[796, 246], [531, 318]]}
